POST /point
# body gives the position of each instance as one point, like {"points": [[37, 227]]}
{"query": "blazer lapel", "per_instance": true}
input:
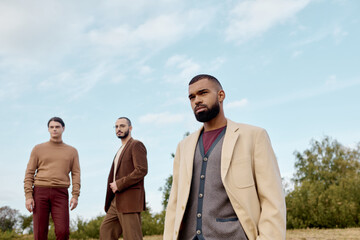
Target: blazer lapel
{"points": [[122, 153], [230, 139], [191, 144]]}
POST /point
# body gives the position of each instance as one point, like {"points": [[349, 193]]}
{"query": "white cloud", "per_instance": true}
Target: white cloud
{"points": [[237, 104], [338, 33], [39, 28], [161, 118], [185, 68], [74, 84], [331, 81], [297, 53], [250, 19], [154, 33]]}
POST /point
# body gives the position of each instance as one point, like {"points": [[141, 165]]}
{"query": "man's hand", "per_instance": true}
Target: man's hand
{"points": [[73, 203], [30, 204], [113, 186]]}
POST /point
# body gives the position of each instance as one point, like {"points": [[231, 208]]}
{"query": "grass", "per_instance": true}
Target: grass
{"points": [[310, 234], [298, 234], [326, 234]]}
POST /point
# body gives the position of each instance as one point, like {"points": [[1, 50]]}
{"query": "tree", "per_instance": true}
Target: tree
{"points": [[8, 219], [166, 192], [326, 187], [26, 223]]}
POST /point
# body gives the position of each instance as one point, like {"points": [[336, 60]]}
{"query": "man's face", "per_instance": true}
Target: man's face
{"points": [[203, 96], [55, 129], [122, 128]]}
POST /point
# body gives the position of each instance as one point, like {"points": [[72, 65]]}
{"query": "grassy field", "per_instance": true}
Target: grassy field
{"points": [[310, 234], [303, 234], [328, 234]]}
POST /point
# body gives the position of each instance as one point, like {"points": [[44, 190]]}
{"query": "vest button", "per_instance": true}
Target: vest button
{"points": [[202, 176], [199, 215], [198, 232], [201, 195], [205, 159]]}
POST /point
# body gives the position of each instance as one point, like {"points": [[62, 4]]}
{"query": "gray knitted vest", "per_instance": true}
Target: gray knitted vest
{"points": [[209, 214]]}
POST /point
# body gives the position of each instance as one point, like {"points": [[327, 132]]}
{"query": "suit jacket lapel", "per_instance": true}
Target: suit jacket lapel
{"points": [[230, 138], [191, 144], [122, 154]]}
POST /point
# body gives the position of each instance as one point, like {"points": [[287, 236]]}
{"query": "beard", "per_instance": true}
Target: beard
{"points": [[125, 134], [208, 114]]}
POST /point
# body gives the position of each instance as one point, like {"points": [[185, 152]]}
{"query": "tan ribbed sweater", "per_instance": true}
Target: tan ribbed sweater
{"points": [[49, 166]]}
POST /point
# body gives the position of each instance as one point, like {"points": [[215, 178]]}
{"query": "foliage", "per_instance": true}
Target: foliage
{"points": [[5, 235], [166, 192], [327, 187], [168, 182], [86, 230], [26, 223], [8, 219], [152, 224]]}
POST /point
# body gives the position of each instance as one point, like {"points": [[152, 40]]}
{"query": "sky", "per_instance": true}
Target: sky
{"points": [[289, 66]]}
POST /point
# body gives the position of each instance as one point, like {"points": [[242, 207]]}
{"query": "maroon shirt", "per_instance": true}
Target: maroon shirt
{"points": [[209, 137]]}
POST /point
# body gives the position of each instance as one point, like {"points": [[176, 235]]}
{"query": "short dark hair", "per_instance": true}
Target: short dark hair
{"points": [[127, 119], [205, 76], [56, 119]]}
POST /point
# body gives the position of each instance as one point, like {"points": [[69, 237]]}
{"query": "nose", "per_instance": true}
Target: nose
{"points": [[197, 100]]}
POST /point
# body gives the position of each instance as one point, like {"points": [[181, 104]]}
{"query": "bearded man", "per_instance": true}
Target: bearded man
{"points": [[226, 180], [125, 196]]}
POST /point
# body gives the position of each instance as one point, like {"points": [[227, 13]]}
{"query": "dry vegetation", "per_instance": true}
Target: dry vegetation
{"points": [[310, 234], [300, 234], [328, 234]]}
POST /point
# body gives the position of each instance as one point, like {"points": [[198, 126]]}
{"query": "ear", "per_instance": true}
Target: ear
{"points": [[221, 95]]}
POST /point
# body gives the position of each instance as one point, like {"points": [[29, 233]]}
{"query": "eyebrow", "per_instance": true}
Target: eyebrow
{"points": [[199, 91]]}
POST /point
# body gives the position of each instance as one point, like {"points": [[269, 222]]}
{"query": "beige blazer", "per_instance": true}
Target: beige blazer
{"points": [[251, 177]]}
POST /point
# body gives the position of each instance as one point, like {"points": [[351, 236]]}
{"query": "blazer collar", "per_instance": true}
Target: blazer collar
{"points": [[230, 138], [190, 147], [122, 153]]}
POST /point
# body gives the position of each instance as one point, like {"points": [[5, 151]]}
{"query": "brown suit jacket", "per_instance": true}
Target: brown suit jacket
{"points": [[131, 170]]}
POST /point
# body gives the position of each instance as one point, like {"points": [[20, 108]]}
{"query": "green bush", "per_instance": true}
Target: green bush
{"points": [[152, 224], [86, 230], [327, 187], [5, 235]]}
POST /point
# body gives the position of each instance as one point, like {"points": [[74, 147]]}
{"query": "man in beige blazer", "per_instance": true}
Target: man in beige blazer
{"points": [[226, 180]]}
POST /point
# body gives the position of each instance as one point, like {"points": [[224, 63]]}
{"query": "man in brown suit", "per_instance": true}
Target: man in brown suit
{"points": [[125, 197]]}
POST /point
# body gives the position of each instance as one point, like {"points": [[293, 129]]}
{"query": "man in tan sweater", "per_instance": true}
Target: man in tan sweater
{"points": [[47, 181]]}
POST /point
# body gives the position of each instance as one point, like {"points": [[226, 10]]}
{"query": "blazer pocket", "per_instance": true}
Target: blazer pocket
{"points": [[233, 219], [241, 173]]}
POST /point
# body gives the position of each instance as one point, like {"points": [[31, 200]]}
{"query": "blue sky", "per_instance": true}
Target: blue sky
{"points": [[289, 66]]}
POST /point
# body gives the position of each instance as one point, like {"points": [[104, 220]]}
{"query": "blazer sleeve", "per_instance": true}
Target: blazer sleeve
{"points": [[138, 152], [272, 222], [170, 215]]}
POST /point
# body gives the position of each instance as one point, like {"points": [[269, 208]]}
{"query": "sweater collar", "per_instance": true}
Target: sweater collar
{"points": [[56, 141]]}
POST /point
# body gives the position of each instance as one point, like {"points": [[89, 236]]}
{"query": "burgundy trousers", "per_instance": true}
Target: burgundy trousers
{"points": [[55, 201]]}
